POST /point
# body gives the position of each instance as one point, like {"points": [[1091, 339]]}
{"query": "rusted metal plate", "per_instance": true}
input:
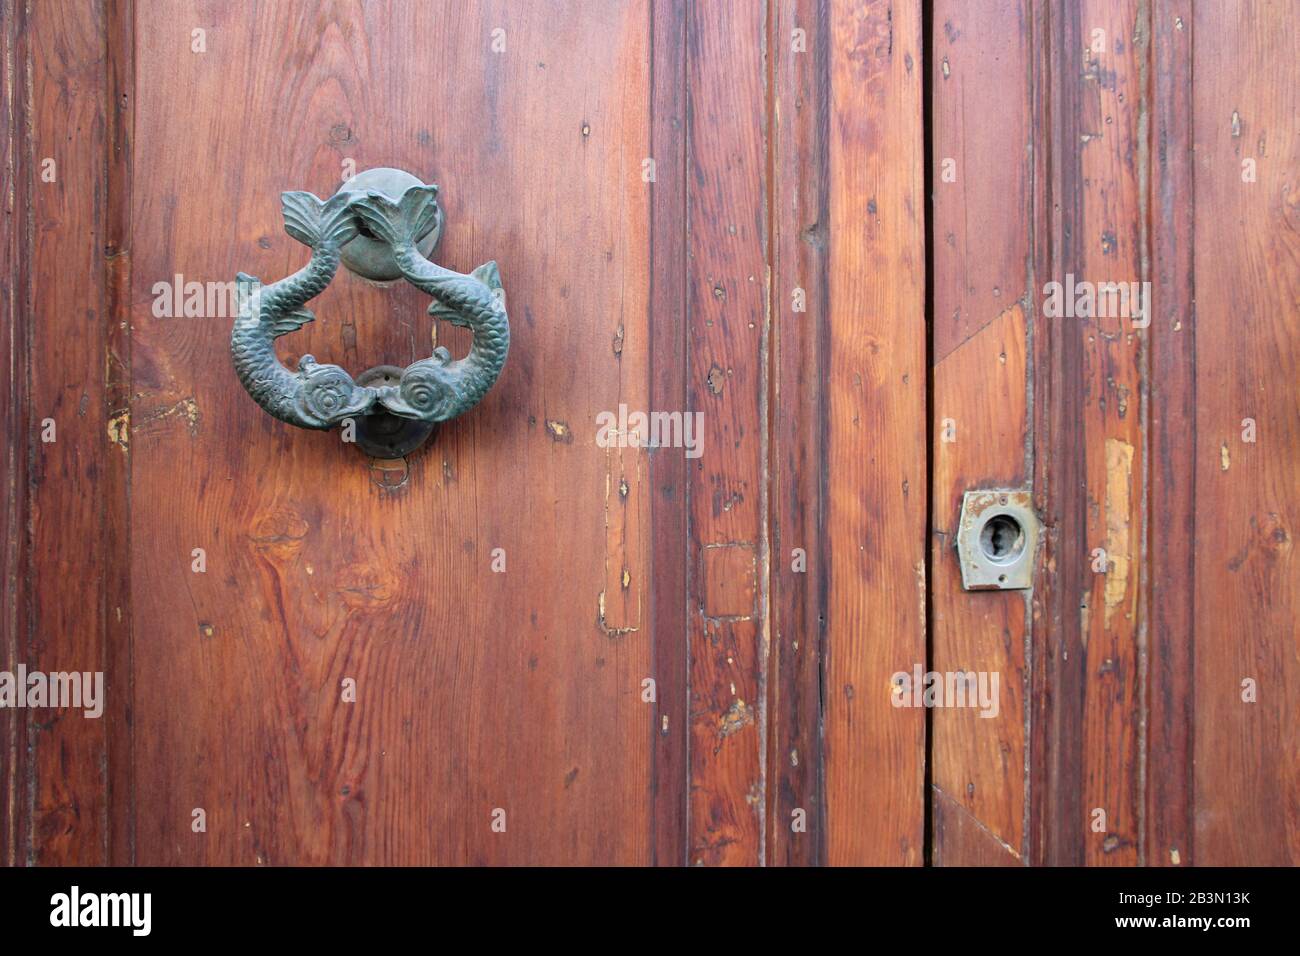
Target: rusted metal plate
{"points": [[996, 538]]}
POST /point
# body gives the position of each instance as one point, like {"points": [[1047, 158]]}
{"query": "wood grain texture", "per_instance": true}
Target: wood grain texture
{"points": [[1104, 140], [1055, 819], [1088, 661], [982, 154], [979, 761], [1121, 717], [727, 288], [876, 520], [120, 667], [16, 193], [475, 690], [961, 840], [981, 121], [1109, 236], [73, 483], [1247, 581], [669, 477], [799, 478], [1170, 691]]}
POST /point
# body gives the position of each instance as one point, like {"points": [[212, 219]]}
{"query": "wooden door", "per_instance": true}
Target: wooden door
{"points": [[1099, 143], [565, 640], [824, 228]]}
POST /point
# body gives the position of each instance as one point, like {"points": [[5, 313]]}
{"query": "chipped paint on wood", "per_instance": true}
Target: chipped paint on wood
{"points": [[738, 716], [560, 431], [119, 429], [1119, 518], [620, 602]]}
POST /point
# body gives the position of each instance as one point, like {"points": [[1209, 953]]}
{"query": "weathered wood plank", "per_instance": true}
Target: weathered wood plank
{"points": [[979, 758], [1055, 817], [876, 521], [982, 139], [119, 94], [669, 478], [1245, 100], [1109, 232], [70, 492], [962, 840], [15, 192], [727, 288], [800, 182], [1173, 445], [1088, 663]]}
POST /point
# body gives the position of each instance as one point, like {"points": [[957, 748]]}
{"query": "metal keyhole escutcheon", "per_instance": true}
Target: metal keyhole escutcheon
{"points": [[382, 224], [997, 533]]}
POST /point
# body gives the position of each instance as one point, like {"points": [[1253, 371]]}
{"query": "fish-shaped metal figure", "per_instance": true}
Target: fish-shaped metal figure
{"points": [[316, 396], [322, 396], [437, 388]]}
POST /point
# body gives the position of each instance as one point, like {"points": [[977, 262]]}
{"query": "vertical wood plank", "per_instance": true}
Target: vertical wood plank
{"points": [[1109, 236], [727, 236], [669, 360], [1173, 440], [15, 192], [982, 154], [119, 681], [1055, 818], [1089, 660], [876, 434], [1247, 581], [800, 62], [979, 757], [70, 543]]}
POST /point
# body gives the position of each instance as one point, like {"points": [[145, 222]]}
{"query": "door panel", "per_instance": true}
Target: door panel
{"points": [[727, 327], [528, 645], [1246, 270], [981, 122], [522, 690], [875, 435], [1165, 580], [64, 604], [475, 689]]}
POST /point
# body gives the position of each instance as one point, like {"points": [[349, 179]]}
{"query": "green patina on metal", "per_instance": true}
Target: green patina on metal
{"points": [[399, 230], [369, 256]]}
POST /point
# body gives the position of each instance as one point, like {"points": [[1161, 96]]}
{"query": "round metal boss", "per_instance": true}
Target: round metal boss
{"points": [[366, 255]]}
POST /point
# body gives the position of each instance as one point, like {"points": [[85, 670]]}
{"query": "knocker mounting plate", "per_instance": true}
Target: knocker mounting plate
{"points": [[382, 224], [369, 256], [382, 434]]}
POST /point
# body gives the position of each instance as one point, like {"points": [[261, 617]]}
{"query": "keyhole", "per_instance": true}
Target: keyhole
{"points": [[1002, 539]]}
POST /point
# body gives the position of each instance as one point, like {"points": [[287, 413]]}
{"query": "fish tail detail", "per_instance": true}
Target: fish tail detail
{"points": [[402, 222], [314, 222]]}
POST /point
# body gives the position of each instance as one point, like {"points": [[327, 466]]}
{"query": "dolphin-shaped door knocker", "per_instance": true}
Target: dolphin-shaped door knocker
{"points": [[381, 224]]}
